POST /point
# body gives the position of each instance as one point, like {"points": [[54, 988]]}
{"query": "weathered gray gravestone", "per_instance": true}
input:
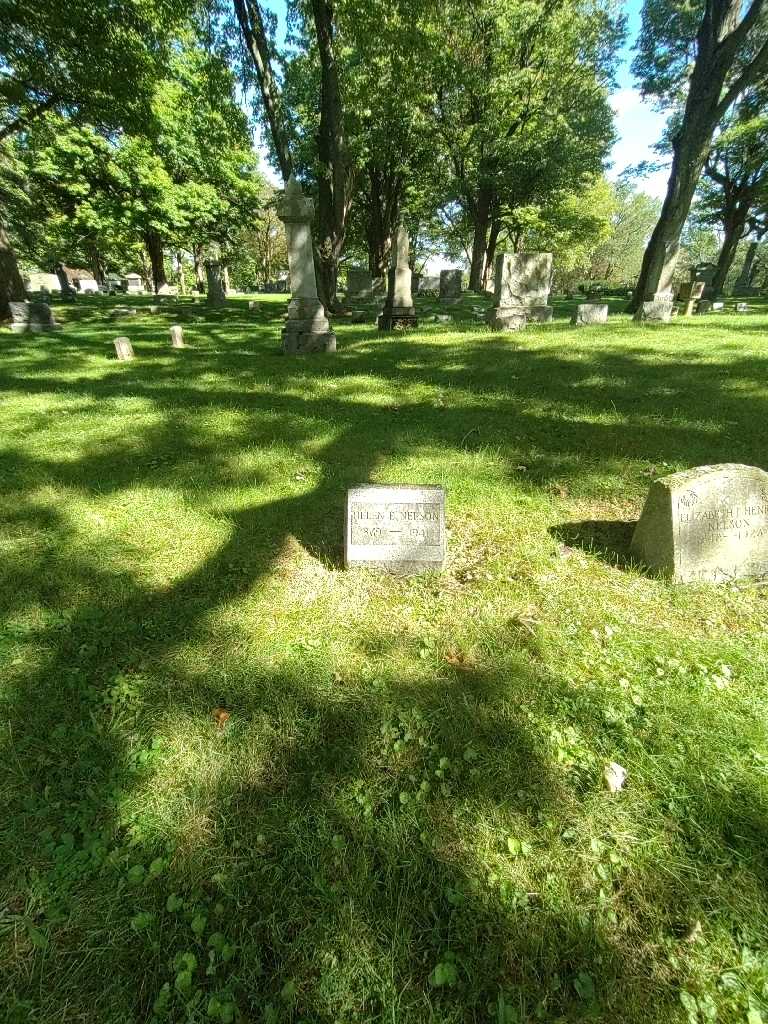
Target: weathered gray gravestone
{"points": [[123, 349], [215, 296], [31, 316], [399, 312], [307, 328], [177, 336], [359, 285], [658, 310], [590, 313], [428, 283], [450, 284], [704, 306], [707, 524], [522, 282], [398, 528]]}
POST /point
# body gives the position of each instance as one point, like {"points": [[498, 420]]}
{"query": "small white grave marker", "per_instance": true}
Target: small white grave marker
{"points": [[123, 349], [177, 337]]}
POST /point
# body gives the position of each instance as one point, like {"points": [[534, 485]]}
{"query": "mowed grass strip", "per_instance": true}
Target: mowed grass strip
{"points": [[240, 783]]}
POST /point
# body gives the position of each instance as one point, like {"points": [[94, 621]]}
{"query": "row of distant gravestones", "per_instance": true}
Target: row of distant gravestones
{"points": [[704, 525]]}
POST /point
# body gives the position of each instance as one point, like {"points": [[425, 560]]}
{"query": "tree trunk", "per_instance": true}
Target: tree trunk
{"points": [[734, 232], [199, 271], [747, 274], [481, 216], [154, 246], [11, 284], [252, 26], [721, 44], [335, 177], [382, 210], [490, 256], [180, 265]]}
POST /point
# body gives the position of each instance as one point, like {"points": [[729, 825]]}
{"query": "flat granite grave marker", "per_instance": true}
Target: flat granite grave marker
{"points": [[397, 528], [123, 349], [708, 524], [590, 313]]}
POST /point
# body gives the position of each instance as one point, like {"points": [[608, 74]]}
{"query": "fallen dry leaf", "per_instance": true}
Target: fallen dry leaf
{"points": [[220, 717], [458, 659]]}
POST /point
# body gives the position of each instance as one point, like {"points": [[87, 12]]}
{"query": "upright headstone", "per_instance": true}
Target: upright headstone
{"points": [[398, 528], [706, 524], [133, 284], [177, 336], [689, 295], [68, 290], [428, 284], [590, 313], [216, 296], [307, 328], [253, 306], [522, 285], [31, 316], [123, 349], [359, 285], [399, 312], [450, 284], [705, 272], [704, 306], [658, 310]]}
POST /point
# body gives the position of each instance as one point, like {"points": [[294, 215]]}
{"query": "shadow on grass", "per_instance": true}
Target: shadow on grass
{"points": [[302, 833], [609, 539]]}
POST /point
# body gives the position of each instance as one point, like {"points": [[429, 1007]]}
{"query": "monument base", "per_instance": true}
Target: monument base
{"points": [[398, 318], [507, 318], [658, 310], [301, 337], [539, 314]]}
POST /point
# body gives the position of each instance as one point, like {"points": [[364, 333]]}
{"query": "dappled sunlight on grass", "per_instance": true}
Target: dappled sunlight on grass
{"points": [[409, 773]]}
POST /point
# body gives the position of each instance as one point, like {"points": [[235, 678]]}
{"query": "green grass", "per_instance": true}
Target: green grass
{"points": [[403, 819]]}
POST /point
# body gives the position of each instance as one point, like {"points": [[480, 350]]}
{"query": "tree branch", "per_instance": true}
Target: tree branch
{"points": [[24, 119], [255, 37]]}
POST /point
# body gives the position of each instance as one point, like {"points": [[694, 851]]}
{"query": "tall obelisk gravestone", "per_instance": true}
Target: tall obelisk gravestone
{"points": [[307, 328], [398, 309]]}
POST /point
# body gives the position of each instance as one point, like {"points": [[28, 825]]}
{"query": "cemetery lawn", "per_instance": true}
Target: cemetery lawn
{"points": [[403, 818]]}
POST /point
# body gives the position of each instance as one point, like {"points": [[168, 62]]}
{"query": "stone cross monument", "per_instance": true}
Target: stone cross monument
{"points": [[398, 309], [307, 328]]}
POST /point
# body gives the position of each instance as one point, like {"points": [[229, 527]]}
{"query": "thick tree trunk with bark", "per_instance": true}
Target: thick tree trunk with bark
{"points": [[480, 210], [490, 256], [747, 272], [382, 209], [11, 284], [252, 27], [721, 41], [335, 177], [660, 259], [735, 227], [197, 257], [154, 246], [180, 265]]}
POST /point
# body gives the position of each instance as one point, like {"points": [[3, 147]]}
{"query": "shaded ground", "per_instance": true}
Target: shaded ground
{"points": [[403, 818]]}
